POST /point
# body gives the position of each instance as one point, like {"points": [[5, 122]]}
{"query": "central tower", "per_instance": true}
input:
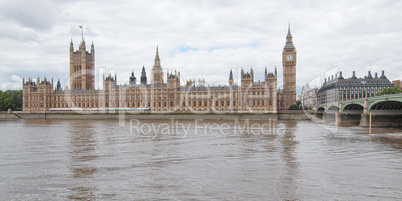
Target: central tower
{"points": [[289, 72], [82, 67], [157, 73]]}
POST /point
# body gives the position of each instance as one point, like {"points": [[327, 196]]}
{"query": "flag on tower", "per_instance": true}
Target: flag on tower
{"points": [[82, 32]]}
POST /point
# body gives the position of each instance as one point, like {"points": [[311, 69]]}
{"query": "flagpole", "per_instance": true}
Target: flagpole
{"points": [[82, 32]]}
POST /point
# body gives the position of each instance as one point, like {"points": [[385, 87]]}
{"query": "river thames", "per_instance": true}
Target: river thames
{"points": [[197, 159]]}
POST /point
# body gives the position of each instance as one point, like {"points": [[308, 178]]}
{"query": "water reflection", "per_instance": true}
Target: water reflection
{"points": [[83, 153], [288, 180]]}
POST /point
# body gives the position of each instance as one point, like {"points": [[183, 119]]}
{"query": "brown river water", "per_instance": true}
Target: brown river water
{"points": [[197, 159]]}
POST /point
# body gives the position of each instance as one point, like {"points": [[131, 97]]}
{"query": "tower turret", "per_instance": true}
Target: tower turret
{"points": [[71, 46], [92, 48], [247, 78], [276, 72], [143, 76], [132, 79], [230, 78], [82, 45], [58, 86]]}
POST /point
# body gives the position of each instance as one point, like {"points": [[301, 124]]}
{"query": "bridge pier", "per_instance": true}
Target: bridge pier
{"points": [[365, 121]]}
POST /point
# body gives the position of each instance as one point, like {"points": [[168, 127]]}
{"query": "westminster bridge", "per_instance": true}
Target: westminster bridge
{"points": [[385, 110]]}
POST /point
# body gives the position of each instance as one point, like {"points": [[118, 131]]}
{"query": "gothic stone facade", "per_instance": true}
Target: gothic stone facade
{"points": [[170, 96]]}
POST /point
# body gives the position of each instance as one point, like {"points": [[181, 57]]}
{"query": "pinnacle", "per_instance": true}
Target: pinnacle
{"points": [[289, 34]]}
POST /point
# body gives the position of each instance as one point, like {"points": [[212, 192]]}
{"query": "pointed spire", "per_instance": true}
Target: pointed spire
{"points": [[275, 71], [157, 60], [82, 45], [230, 75], [289, 34], [71, 46], [289, 40], [143, 76], [92, 47], [58, 86]]}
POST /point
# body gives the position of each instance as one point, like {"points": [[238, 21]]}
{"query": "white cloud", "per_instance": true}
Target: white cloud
{"points": [[13, 85], [16, 78], [223, 35]]}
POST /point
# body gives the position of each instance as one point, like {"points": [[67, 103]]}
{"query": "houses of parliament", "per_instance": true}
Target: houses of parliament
{"points": [[164, 93]]}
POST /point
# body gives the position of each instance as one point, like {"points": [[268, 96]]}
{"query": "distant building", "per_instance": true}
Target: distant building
{"points": [[397, 83], [308, 97], [337, 88], [162, 95]]}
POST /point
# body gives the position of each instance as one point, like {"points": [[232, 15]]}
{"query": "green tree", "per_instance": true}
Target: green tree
{"points": [[294, 107], [298, 103], [11, 99], [390, 90], [1, 100]]}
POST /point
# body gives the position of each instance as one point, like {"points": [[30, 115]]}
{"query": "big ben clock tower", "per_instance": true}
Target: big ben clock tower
{"points": [[289, 72]]}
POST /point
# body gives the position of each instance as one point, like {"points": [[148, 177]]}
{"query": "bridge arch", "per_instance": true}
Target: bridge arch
{"points": [[320, 110], [353, 108], [333, 109], [386, 107]]}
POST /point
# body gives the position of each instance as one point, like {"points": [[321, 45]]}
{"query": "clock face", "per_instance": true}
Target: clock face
{"points": [[289, 57]]}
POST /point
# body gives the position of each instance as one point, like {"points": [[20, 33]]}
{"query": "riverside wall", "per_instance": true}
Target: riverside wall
{"points": [[7, 116], [282, 115]]}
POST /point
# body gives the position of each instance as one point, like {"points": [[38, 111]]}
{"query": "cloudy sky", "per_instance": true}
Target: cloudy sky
{"points": [[202, 39]]}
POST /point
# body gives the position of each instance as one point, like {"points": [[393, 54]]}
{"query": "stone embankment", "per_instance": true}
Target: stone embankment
{"points": [[282, 115]]}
